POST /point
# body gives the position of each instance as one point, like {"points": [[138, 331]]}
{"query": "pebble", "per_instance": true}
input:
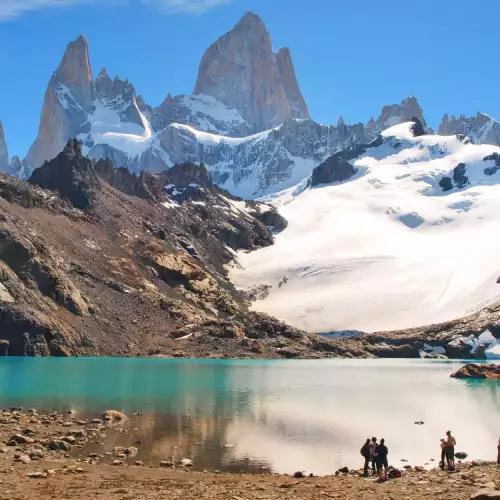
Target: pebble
{"points": [[117, 462]]}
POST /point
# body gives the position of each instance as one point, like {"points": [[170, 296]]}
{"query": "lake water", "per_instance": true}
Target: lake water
{"points": [[278, 416]]}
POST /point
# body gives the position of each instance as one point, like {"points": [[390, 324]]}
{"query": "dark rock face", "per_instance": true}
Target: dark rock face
{"points": [[337, 168], [417, 128], [459, 180], [459, 177], [122, 179], [270, 217], [473, 371], [71, 174], [446, 184], [492, 170]]}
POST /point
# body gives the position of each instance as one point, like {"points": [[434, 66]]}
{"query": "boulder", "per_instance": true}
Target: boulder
{"points": [[113, 415], [59, 445], [20, 439], [132, 451], [478, 371]]}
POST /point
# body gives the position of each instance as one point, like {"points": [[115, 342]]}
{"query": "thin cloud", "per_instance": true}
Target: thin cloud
{"points": [[10, 9], [185, 6]]}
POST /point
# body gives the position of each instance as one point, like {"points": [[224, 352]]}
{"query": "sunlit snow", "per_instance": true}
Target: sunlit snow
{"points": [[387, 249]]}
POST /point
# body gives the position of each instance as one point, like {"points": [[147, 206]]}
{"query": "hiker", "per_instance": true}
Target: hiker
{"points": [[498, 448], [381, 458], [365, 453], [450, 450], [443, 453], [373, 455]]}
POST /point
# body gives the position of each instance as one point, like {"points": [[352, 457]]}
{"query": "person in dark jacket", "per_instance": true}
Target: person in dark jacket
{"points": [[381, 453], [498, 448], [365, 452]]}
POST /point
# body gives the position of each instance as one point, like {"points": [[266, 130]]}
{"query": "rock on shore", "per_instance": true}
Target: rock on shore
{"points": [[478, 371]]}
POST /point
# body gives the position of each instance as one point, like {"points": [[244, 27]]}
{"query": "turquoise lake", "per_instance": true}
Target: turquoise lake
{"points": [[278, 416]]}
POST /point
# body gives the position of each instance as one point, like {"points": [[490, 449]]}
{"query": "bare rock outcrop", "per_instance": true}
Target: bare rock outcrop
{"points": [[241, 70], [71, 174], [478, 371]]}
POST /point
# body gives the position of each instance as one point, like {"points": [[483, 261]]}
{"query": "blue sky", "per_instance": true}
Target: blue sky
{"points": [[351, 57]]}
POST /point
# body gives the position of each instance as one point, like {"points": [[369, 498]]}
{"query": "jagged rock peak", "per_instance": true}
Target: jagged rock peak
{"points": [[481, 129], [73, 148], [4, 153], [75, 71], [250, 21], [394, 114], [340, 121], [71, 174], [68, 101], [241, 71], [291, 85]]}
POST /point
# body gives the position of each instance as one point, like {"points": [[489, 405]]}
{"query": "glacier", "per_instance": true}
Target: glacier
{"points": [[388, 248]]}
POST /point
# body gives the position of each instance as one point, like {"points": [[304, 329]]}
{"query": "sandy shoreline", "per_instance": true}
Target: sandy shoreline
{"points": [[50, 453], [106, 482]]}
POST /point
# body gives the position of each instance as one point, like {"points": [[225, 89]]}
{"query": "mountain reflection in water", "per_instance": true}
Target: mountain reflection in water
{"points": [[259, 416]]}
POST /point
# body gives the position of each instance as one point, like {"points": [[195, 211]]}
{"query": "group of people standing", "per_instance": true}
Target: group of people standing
{"points": [[375, 454]]}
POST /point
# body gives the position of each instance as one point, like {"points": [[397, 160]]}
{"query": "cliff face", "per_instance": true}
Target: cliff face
{"points": [[4, 153], [241, 70], [291, 85], [68, 100]]}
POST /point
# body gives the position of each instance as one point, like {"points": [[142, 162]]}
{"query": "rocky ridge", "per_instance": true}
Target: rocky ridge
{"points": [[115, 123], [481, 129], [96, 260]]}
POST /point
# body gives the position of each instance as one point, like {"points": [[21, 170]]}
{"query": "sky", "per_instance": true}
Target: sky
{"points": [[351, 57]]}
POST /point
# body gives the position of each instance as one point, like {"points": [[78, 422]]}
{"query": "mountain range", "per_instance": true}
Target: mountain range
{"points": [[347, 229], [246, 119]]}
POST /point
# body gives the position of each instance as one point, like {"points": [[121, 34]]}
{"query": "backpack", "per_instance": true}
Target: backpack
{"points": [[365, 451]]}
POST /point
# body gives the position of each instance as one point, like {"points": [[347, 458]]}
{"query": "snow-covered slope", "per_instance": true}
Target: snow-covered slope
{"points": [[201, 112], [259, 164], [393, 247]]}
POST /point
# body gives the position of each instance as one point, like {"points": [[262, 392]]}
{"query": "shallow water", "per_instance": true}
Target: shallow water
{"points": [[280, 416]]}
